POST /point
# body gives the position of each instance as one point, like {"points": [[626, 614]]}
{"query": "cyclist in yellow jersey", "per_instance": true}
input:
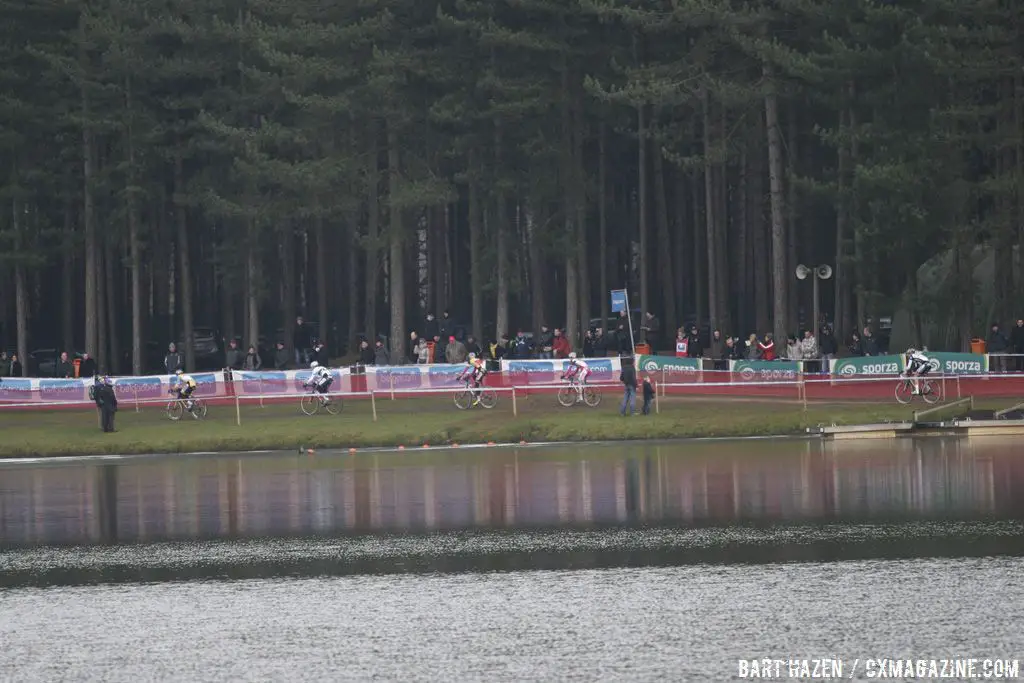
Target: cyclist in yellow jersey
{"points": [[184, 388], [473, 374]]}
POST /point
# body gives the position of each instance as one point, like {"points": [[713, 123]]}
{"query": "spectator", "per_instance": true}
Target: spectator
{"points": [[455, 352], [732, 351], [64, 368], [302, 340], [718, 351], [827, 343], [648, 396], [600, 343], [855, 345], [545, 342], [14, 367], [753, 348], [281, 357], [366, 355], [809, 352], [422, 352], [560, 345], [520, 348], [767, 347], [380, 355], [172, 361], [320, 354], [1017, 343], [694, 347], [792, 348], [106, 402], [414, 346], [625, 342], [252, 360], [233, 356], [651, 328], [5, 364], [430, 328], [870, 345], [499, 349], [445, 326], [588, 344], [997, 345], [439, 349], [473, 347], [88, 366], [682, 343], [628, 379]]}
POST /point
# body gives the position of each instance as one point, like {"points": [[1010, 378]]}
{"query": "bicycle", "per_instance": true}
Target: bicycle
{"points": [[311, 403], [930, 393], [569, 394], [467, 398], [176, 409]]}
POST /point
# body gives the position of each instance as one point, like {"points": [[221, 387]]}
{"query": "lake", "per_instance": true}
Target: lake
{"points": [[670, 561]]}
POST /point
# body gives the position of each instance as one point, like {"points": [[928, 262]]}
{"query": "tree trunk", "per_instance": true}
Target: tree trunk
{"points": [[684, 284], [700, 287], [792, 255], [323, 293], [711, 226], [476, 276], [92, 318], [741, 267], [133, 242], [396, 289], [103, 359], [580, 193], [288, 312], [184, 267], [113, 310], [252, 286], [842, 294], [779, 280], [68, 291], [536, 289], [642, 204], [20, 291], [372, 236], [758, 227], [602, 221], [670, 311], [501, 228], [353, 287]]}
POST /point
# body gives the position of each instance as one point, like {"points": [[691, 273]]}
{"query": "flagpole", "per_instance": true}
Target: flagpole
{"points": [[629, 321]]}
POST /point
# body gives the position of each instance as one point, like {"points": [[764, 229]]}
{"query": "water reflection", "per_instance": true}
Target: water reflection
{"points": [[693, 484]]}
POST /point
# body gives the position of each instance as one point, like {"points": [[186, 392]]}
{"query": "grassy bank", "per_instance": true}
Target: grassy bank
{"points": [[414, 422]]}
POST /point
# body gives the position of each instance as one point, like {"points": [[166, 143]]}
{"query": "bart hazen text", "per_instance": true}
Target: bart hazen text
{"points": [[892, 668]]}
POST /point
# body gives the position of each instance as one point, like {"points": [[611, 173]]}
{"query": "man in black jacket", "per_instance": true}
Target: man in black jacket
{"points": [[173, 360], [1017, 343], [997, 345], [106, 401], [88, 366], [281, 360], [302, 339], [64, 367], [628, 379]]}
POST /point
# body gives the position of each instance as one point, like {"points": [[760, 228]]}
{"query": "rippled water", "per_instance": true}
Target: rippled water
{"points": [[620, 562]]}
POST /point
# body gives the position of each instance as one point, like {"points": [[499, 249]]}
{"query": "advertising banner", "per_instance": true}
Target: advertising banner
{"points": [[677, 368], [867, 365], [958, 363], [766, 370]]}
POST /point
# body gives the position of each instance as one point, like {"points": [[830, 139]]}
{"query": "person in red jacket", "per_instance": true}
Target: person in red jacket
{"points": [[560, 346], [767, 347]]}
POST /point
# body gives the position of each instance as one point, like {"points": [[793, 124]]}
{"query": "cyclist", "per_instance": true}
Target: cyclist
{"points": [[320, 379], [918, 365], [184, 388], [473, 374], [577, 373]]}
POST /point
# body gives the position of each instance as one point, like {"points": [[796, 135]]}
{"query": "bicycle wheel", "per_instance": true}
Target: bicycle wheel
{"points": [[309, 404], [199, 408], [174, 410], [463, 400], [488, 398], [931, 392], [904, 392], [592, 397], [567, 396], [334, 406]]}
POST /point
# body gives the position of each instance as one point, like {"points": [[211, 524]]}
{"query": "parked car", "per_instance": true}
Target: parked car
{"points": [[43, 362], [206, 343]]}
